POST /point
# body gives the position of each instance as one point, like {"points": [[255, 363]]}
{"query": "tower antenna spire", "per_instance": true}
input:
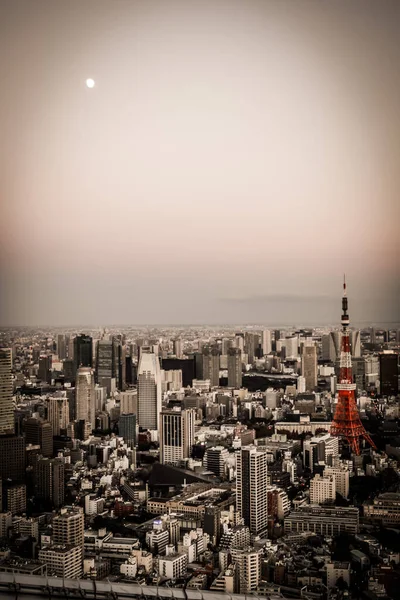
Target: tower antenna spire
{"points": [[346, 422]]}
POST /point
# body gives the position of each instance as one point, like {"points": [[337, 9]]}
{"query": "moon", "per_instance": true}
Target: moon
{"points": [[90, 83]]}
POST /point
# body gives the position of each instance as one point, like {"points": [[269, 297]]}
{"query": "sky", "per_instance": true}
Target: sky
{"points": [[233, 160]]}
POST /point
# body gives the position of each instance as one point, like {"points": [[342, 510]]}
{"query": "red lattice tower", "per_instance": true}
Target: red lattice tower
{"points": [[346, 422]]}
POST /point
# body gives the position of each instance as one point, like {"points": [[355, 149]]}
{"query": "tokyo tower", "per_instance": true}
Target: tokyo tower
{"points": [[346, 422]]}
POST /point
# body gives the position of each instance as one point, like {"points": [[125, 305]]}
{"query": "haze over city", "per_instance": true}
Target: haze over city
{"points": [[230, 162]]}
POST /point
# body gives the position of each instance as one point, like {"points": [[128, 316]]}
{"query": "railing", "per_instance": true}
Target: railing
{"points": [[15, 586]]}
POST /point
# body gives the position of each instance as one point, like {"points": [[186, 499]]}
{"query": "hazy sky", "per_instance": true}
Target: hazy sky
{"points": [[233, 159]]}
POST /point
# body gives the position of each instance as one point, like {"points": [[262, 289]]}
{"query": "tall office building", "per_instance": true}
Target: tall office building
{"points": [[39, 433], [355, 343], [49, 479], [309, 367], [58, 412], [176, 435], [149, 391], [61, 347], [251, 345], [178, 348], [128, 402], [45, 364], [266, 342], [251, 488], [127, 428], [6, 393], [107, 355], [85, 397], [83, 351], [389, 373], [234, 368], [211, 365], [12, 457]]}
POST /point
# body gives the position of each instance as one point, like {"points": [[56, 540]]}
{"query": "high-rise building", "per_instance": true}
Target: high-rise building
{"points": [[178, 348], [68, 527], [176, 435], [149, 391], [251, 345], [215, 460], [128, 402], [266, 342], [58, 412], [355, 343], [251, 488], [127, 428], [211, 365], [389, 373], [85, 397], [45, 364], [61, 347], [107, 357], [234, 368], [49, 478], [83, 351], [248, 570], [39, 432], [12, 457], [6, 393], [309, 367], [14, 498], [341, 475]]}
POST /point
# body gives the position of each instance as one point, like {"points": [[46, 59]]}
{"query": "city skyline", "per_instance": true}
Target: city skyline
{"points": [[230, 161]]}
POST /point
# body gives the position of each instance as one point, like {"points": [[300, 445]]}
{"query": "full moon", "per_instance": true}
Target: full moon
{"points": [[90, 83]]}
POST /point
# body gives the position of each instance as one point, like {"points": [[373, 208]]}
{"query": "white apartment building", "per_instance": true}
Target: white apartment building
{"points": [[129, 567], [173, 566], [93, 504]]}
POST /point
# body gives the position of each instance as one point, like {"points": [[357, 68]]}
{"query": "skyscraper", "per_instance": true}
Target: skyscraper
{"points": [[266, 342], [176, 435], [45, 363], [251, 345], [58, 412], [251, 488], [389, 373], [211, 365], [107, 360], [127, 428], [149, 391], [61, 347], [83, 351], [12, 457], [309, 367], [6, 393], [234, 368], [85, 396], [49, 477], [39, 433]]}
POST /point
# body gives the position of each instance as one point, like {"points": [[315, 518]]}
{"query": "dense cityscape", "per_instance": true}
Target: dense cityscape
{"points": [[214, 459]]}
